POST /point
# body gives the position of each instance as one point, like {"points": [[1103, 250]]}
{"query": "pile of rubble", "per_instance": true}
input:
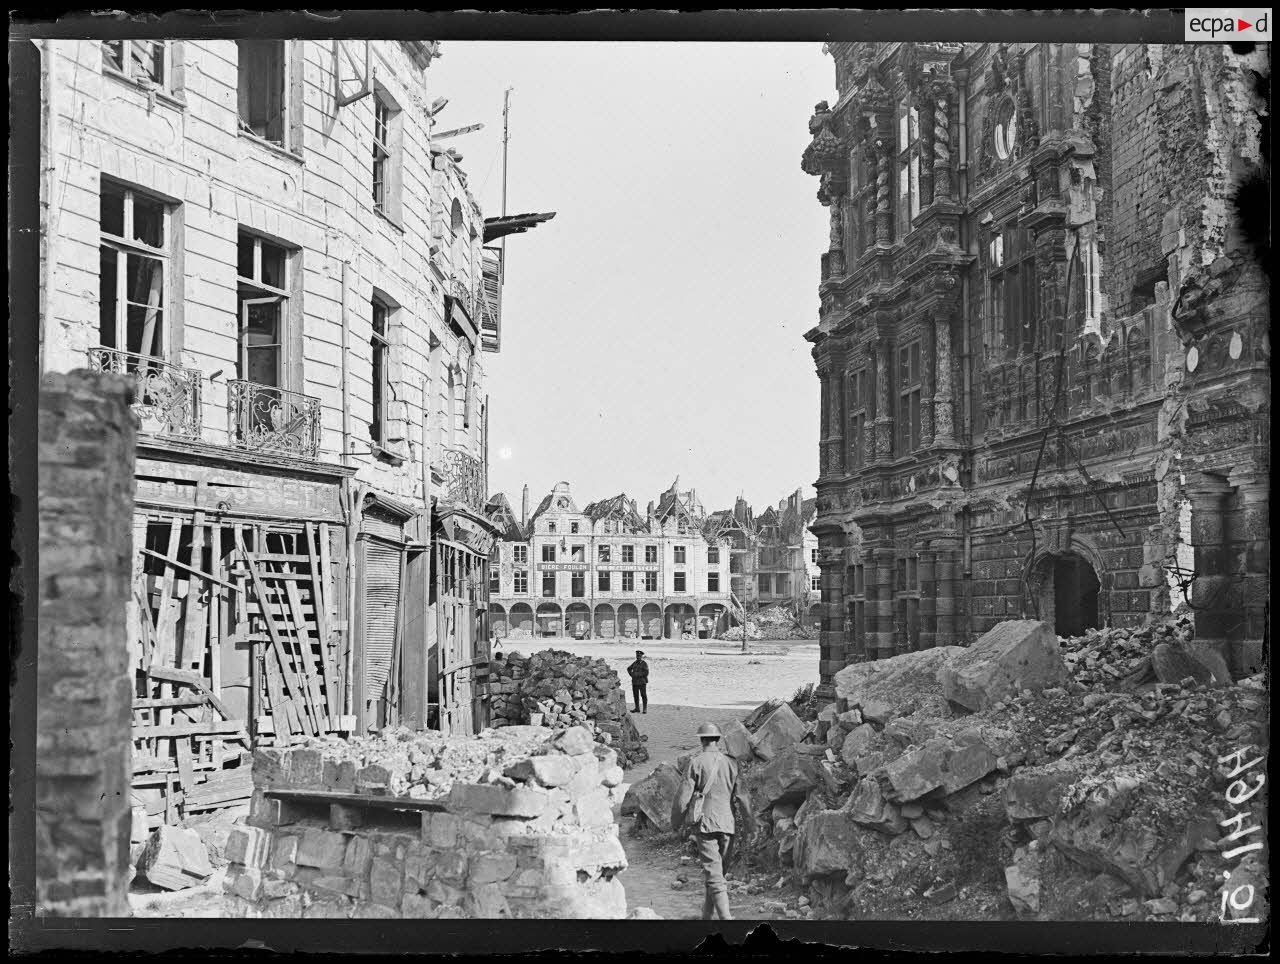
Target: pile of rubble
{"points": [[531, 836], [565, 690], [991, 782], [774, 623]]}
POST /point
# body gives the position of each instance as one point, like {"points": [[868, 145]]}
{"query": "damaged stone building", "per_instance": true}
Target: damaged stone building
{"points": [[1042, 344], [265, 235], [607, 571], [773, 556]]}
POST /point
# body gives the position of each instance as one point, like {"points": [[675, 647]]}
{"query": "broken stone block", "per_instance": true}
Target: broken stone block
{"points": [[735, 741], [174, 859], [1033, 793], [1173, 663], [321, 848], [787, 778], [654, 795], [860, 741], [547, 771], [780, 730], [1016, 655], [908, 678], [828, 843], [574, 740], [876, 711], [867, 805], [917, 771], [249, 846], [1022, 881], [757, 716], [490, 867]]}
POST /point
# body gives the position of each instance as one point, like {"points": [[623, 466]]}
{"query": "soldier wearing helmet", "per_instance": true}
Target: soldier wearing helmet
{"points": [[704, 806]]}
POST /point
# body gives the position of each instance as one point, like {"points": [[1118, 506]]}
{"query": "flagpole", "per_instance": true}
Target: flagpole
{"points": [[506, 133]]}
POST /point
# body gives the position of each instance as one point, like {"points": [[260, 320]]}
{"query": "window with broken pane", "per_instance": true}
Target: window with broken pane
{"points": [[909, 390], [133, 263], [139, 60], [262, 89]]}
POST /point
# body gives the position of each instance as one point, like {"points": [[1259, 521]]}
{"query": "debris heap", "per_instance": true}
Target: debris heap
{"points": [[566, 690], [776, 622], [993, 782], [517, 823]]}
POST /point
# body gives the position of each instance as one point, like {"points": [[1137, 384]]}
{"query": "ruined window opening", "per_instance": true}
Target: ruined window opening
{"points": [[650, 582], [548, 584], [577, 553], [461, 242], [551, 527], [650, 553], [494, 584], [678, 581], [713, 582], [520, 554], [138, 60], [603, 580], [813, 556], [1005, 129], [628, 553], [262, 89], [134, 263], [679, 554], [713, 556], [858, 390], [1012, 292], [604, 552], [380, 375], [628, 582], [573, 528], [908, 167], [578, 584], [909, 391], [764, 584], [520, 582], [387, 154], [549, 553], [735, 565]]}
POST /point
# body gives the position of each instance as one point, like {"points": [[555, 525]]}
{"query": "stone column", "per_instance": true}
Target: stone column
{"points": [[836, 259], [1251, 542], [1211, 593], [831, 637], [928, 378], [947, 603], [943, 421], [883, 641], [883, 421], [941, 91], [928, 598], [884, 197]]}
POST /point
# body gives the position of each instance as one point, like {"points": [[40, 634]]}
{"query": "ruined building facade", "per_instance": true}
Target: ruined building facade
{"points": [[606, 570], [264, 234], [1042, 343]]}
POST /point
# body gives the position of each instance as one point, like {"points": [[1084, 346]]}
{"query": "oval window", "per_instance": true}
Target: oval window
{"points": [[1006, 129]]}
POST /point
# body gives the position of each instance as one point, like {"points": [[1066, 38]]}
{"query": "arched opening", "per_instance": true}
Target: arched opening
{"points": [[710, 620], [680, 620], [651, 621], [606, 624], [1069, 594], [578, 621], [815, 616], [497, 621], [520, 622], [548, 619], [628, 621]]}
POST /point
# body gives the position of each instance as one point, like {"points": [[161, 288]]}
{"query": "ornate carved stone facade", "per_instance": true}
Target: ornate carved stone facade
{"points": [[1041, 341]]}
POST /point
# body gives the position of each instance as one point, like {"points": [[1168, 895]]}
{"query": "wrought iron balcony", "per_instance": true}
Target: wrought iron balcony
{"points": [[168, 396], [263, 418], [463, 479]]}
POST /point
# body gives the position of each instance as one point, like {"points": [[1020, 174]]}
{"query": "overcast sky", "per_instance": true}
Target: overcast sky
{"points": [[654, 327]]}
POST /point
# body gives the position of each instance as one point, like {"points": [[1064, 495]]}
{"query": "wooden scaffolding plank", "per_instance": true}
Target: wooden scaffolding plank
{"points": [[291, 683], [302, 641]]}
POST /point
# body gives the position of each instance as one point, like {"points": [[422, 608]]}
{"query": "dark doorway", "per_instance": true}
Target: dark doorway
{"points": [[1075, 596]]}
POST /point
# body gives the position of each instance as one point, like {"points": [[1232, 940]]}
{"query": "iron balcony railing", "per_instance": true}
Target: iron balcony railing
{"points": [[168, 396], [463, 479], [263, 418]]}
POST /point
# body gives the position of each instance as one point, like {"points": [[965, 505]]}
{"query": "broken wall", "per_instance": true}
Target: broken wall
{"points": [[83, 750]]}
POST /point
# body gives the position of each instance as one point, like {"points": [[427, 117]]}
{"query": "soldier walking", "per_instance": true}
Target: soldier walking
{"points": [[704, 805], [639, 673]]}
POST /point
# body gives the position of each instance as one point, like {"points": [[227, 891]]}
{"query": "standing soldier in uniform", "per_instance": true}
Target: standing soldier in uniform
{"points": [[704, 805], [639, 673]]}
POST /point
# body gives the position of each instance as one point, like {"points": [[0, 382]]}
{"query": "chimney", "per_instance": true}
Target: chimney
{"points": [[524, 507]]}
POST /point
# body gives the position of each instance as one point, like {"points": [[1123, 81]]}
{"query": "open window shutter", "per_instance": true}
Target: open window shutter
{"points": [[381, 602], [397, 408], [468, 410]]}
